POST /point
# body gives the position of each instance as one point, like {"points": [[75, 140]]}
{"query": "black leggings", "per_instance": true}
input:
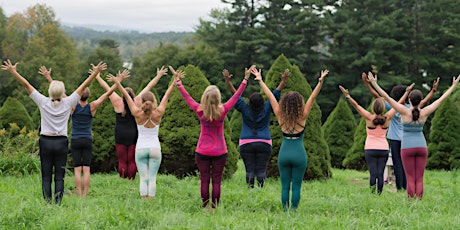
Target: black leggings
{"points": [[53, 154], [376, 161], [255, 157]]}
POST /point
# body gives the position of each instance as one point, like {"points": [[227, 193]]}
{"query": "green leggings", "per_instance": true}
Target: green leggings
{"points": [[292, 163]]}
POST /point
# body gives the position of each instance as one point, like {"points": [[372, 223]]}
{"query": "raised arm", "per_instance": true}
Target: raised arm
{"points": [[266, 90], [433, 106], [46, 73], [311, 99], [132, 106], [96, 103], [397, 106], [227, 77], [228, 105], [164, 101], [188, 99], [151, 84], [362, 111], [284, 78], [430, 94], [7, 66], [368, 86], [93, 73]]}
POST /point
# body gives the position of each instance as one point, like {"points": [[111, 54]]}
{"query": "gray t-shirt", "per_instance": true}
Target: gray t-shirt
{"points": [[54, 119]]}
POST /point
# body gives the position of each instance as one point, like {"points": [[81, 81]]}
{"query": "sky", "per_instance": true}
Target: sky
{"points": [[140, 15]]}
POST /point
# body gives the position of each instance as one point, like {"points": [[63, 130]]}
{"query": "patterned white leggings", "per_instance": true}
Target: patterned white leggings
{"points": [[148, 162]]}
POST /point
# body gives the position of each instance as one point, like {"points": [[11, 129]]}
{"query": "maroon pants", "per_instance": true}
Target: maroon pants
{"points": [[414, 162], [126, 160], [210, 168]]}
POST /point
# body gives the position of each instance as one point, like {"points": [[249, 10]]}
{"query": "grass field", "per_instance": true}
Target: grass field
{"points": [[343, 202]]}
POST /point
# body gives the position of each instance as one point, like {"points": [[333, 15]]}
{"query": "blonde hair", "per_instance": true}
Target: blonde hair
{"points": [[56, 90], [149, 102], [211, 102]]}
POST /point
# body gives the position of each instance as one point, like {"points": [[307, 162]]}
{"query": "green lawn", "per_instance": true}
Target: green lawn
{"points": [[343, 202]]}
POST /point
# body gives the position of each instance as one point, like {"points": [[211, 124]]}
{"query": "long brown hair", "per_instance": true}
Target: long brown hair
{"points": [[291, 108], [379, 110], [149, 102], [211, 102]]}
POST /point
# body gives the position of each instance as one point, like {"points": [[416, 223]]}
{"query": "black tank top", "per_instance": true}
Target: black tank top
{"points": [[125, 128]]}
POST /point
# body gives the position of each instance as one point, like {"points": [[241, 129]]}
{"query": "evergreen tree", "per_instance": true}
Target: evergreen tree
{"points": [[339, 129], [13, 111], [444, 148], [319, 165], [180, 130]]}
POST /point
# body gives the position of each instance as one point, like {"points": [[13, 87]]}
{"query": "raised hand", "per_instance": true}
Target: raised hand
{"points": [[371, 77], [435, 84], [344, 91], [123, 75], [162, 71], [8, 66], [247, 72], [285, 75], [257, 74], [178, 75], [43, 71], [455, 80], [364, 77], [227, 75], [324, 73], [98, 68], [111, 78], [409, 88]]}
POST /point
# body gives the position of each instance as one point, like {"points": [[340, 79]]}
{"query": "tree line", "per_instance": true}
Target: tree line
{"points": [[400, 41]]}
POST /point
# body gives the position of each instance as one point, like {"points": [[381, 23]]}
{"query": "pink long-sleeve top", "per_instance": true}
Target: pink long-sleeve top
{"points": [[212, 141]]}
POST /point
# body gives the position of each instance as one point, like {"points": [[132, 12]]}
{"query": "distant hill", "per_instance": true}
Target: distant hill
{"points": [[131, 43]]}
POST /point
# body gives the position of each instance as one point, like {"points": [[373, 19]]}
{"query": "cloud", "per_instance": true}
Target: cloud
{"points": [[141, 15]]}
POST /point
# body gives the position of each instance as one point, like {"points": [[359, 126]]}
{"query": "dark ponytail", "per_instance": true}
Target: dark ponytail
{"points": [[256, 104], [415, 97], [379, 120]]}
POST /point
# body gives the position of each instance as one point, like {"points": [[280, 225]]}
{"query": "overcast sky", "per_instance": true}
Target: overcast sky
{"points": [[140, 15]]}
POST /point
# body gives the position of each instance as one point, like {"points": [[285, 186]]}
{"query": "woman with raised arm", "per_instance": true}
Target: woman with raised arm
{"points": [[394, 133], [376, 145], [54, 111], [81, 144], [125, 125], [211, 151], [292, 114], [414, 151], [255, 139], [148, 148]]}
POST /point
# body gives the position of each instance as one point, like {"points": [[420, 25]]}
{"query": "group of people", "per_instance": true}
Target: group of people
{"points": [[138, 119], [402, 125]]}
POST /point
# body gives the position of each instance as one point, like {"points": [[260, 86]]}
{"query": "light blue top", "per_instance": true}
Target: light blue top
{"points": [[395, 129], [413, 136]]}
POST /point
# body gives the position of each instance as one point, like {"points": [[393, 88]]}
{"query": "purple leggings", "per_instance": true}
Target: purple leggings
{"points": [[210, 168], [126, 161], [414, 161]]}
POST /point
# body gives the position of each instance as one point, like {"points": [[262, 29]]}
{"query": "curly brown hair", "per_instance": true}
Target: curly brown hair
{"points": [[291, 108]]}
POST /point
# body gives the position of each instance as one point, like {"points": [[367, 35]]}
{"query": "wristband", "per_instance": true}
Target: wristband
{"points": [[348, 96]]}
